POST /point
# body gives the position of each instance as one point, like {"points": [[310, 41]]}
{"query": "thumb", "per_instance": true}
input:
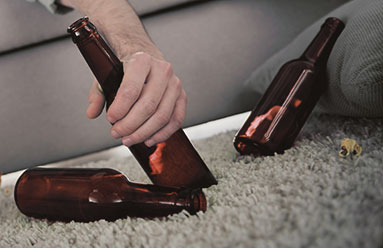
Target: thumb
{"points": [[96, 101]]}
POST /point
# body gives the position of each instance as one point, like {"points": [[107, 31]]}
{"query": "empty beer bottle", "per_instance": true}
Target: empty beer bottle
{"points": [[173, 163], [84, 195], [275, 122]]}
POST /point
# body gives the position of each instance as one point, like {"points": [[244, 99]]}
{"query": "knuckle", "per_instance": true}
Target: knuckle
{"points": [[142, 57], [131, 92], [178, 120], [150, 106], [122, 130], [137, 137], [162, 118], [162, 137], [167, 68], [177, 84]]}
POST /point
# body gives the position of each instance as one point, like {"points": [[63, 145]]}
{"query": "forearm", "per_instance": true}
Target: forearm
{"points": [[119, 24]]}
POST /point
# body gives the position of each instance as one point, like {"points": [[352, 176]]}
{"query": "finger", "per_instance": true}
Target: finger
{"points": [[161, 117], [136, 71], [175, 123], [148, 102], [96, 101]]}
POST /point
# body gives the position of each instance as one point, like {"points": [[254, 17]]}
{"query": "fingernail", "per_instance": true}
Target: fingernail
{"points": [[149, 143], [115, 134], [126, 141]]}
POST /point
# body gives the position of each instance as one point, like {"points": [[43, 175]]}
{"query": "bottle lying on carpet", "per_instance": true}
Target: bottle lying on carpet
{"points": [[281, 113], [84, 195]]}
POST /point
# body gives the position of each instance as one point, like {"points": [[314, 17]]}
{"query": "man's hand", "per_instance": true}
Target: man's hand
{"points": [[150, 104]]}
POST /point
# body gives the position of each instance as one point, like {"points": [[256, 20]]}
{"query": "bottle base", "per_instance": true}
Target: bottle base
{"points": [[246, 146]]}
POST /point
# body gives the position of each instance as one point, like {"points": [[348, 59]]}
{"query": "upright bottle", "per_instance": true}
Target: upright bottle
{"points": [[173, 163], [91, 194], [282, 111]]}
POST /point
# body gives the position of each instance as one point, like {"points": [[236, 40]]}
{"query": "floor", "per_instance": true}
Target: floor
{"points": [[194, 133]]}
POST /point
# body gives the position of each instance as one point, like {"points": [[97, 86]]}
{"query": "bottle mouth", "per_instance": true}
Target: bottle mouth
{"points": [[199, 202], [78, 24], [82, 29], [334, 23]]}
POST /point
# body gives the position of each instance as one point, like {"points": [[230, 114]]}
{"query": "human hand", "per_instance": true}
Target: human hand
{"points": [[150, 104]]}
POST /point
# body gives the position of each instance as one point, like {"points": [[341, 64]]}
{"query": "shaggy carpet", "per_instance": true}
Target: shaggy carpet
{"points": [[306, 197]]}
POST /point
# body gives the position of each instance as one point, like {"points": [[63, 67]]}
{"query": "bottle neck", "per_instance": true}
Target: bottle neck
{"points": [[320, 48], [171, 199], [104, 64], [99, 57]]}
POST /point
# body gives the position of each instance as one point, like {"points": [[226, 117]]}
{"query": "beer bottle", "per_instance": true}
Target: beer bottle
{"points": [[275, 122], [173, 163], [67, 194]]}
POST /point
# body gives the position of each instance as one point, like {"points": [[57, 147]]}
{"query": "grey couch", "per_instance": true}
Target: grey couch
{"points": [[213, 46]]}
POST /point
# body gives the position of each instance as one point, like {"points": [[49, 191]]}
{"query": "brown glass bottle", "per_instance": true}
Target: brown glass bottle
{"points": [[91, 194], [282, 111], [174, 163]]}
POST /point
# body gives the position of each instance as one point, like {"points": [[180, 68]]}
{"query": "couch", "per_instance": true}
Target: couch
{"points": [[213, 46]]}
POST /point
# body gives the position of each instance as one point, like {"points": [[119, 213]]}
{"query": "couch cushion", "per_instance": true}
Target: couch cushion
{"points": [[26, 23], [354, 67], [213, 46], [143, 7]]}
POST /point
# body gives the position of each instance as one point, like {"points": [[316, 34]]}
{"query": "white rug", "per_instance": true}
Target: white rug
{"points": [[307, 197]]}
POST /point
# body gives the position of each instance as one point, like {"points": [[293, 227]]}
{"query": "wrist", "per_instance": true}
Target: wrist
{"points": [[127, 39], [125, 51]]}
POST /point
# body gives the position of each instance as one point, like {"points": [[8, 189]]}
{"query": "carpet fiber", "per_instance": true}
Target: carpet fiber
{"points": [[307, 197]]}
